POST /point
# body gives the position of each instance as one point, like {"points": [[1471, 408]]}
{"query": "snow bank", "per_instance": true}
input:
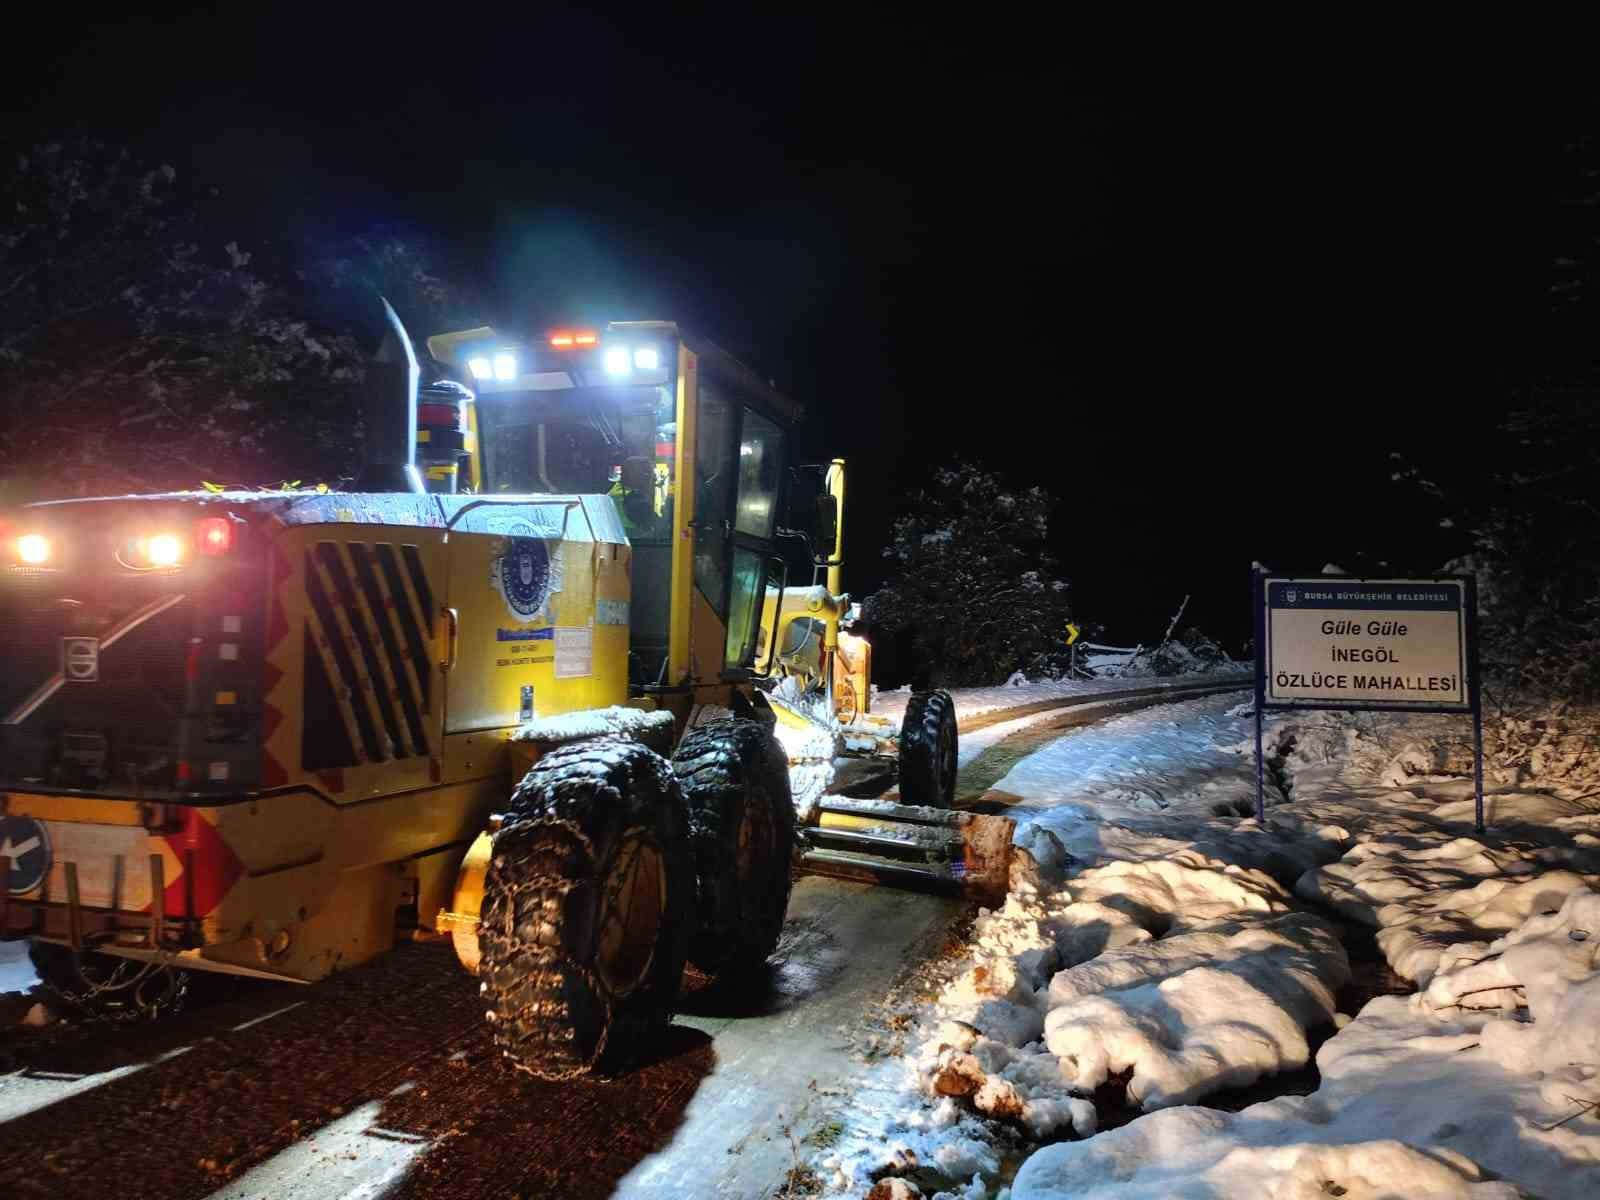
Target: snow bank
{"points": [[1443, 1094], [1436, 891], [1195, 1152], [16, 972], [1158, 942], [1193, 1013], [811, 754], [1550, 966], [1435, 902], [1156, 938], [1189, 973]]}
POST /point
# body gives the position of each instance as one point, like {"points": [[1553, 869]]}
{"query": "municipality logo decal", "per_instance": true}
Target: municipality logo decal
{"points": [[1292, 596], [522, 576]]}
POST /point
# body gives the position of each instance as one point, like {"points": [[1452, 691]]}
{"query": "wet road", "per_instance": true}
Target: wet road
{"points": [[382, 1081]]}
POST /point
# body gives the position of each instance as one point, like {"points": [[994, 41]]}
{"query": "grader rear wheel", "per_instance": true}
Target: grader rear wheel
{"points": [[928, 751], [735, 779], [587, 909]]}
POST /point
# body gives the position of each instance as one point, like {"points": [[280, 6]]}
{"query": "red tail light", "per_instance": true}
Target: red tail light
{"points": [[449, 416], [213, 535]]}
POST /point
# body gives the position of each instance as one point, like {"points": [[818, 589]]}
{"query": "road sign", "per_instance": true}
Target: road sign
{"points": [[1402, 645], [26, 843], [1072, 633], [1386, 643]]}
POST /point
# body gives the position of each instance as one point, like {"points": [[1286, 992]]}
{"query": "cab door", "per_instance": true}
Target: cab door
{"points": [[738, 469], [751, 543]]}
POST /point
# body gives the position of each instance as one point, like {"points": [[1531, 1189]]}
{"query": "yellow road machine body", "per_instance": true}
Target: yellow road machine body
{"points": [[544, 683]]}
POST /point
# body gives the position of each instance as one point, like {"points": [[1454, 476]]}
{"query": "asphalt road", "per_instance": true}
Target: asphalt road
{"points": [[382, 1081]]}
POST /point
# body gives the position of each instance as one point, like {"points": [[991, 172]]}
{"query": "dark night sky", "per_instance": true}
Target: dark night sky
{"points": [[1201, 303]]}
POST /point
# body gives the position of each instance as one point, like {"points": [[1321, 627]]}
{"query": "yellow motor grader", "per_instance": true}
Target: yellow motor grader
{"points": [[542, 683]]}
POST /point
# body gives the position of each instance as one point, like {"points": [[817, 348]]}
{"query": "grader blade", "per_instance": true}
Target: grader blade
{"points": [[929, 849]]}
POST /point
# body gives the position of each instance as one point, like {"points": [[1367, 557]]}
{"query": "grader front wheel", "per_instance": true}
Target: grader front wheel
{"points": [[928, 751], [587, 909]]}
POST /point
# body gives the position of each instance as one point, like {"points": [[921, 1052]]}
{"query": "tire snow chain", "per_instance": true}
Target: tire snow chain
{"points": [[92, 1001], [545, 958]]}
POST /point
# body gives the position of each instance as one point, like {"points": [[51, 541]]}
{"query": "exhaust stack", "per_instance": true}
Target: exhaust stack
{"points": [[391, 411]]}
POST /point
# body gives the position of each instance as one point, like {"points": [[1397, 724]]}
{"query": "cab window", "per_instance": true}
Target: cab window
{"points": [[745, 605], [714, 483], [760, 474]]}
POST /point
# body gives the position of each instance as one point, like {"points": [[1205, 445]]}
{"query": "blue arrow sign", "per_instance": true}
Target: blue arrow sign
{"points": [[26, 843]]}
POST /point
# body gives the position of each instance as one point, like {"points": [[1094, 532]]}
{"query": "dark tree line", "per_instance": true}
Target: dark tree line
{"points": [[143, 345], [1531, 525]]}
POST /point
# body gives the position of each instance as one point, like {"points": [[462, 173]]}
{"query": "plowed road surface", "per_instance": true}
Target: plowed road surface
{"points": [[382, 1081]]}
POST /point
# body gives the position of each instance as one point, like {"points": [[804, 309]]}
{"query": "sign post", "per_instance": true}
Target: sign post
{"points": [[1395, 645]]}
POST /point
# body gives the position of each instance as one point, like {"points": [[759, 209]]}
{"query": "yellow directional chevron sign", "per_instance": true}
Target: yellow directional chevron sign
{"points": [[1072, 633]]}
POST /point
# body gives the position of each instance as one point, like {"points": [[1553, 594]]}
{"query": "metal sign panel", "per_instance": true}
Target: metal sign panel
{"points": [[1365, 643], [1401, 645], [26, 842]]}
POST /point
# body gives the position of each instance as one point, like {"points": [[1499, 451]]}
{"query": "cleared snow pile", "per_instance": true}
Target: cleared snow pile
{"points": [[1195, 1153], [1436, 892], [1200, 980], [1183, 976], [1173, 965], [1549, 967], [1039, 862], [811, 753], [1435, 903], [1485, 1085], [1191, 653]]}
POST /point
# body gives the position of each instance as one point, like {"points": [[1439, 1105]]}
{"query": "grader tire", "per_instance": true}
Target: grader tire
{"points": [[735, 779], [928, 749], [587, 910]]}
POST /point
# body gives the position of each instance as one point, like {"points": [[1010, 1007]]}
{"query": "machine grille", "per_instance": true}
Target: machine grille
{"points": [[367, 668], [120, 725]]}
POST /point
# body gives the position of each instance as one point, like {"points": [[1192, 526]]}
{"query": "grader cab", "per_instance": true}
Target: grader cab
{"points": [[258, 733]]}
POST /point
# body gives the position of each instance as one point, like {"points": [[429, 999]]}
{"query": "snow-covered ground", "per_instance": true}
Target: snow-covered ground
{"points": [[981, 701], [1160, 948], [16, 972], [814, 753]]}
